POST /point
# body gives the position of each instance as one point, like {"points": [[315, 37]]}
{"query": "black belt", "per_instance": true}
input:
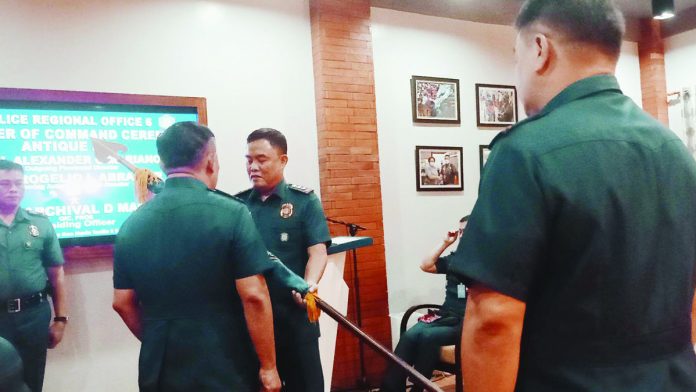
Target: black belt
{"points": [[16, 305]]}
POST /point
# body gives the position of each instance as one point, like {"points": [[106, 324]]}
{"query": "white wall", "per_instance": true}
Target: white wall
{"points": [[680, 58], [251, 59], [98, 353], [410, 44]]}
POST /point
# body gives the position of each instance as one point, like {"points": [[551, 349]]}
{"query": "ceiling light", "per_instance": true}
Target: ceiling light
{"points": [[662, 9]]}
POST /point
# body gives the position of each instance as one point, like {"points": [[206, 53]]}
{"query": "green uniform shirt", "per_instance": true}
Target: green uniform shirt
{"points": [[290, 220], [27, 247], [586, 212], [455, 296], [182, 252]]}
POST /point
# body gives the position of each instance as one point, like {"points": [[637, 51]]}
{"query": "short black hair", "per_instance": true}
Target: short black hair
{"points": [[9, 165], [183, 144], [596, 22], [429, 158], [464, 219], [274, 137]]}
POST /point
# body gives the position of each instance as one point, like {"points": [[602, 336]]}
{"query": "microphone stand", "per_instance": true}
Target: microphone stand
{"points": [[352, 230]]}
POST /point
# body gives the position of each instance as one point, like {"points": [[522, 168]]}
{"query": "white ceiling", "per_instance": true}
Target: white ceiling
{"points": [[504, 12]]}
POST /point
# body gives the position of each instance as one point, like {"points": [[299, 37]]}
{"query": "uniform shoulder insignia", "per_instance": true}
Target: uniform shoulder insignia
{"points": [[244, 195], [39, 214], [300, 188], [505, 132], [497, 138], [226, 195]]}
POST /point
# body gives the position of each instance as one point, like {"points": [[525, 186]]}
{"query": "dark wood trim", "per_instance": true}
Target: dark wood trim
{"points": [[420, 188], [482, 147], [23, 94], [414, 104], [478, 105]]}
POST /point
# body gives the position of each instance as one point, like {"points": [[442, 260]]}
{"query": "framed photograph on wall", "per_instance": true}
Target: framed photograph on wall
{"points": [[496, 105], [435, 100], [484, 150], [439, 168]]}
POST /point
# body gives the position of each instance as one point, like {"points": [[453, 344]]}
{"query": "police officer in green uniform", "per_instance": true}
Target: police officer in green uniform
{"points": [[188, 278], [30, 255], [420, 345], [293, 227], [581, 248]]}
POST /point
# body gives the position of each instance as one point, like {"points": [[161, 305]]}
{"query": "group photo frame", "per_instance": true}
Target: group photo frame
{"points": [[435, 100], [496, 105], [439, 168]]}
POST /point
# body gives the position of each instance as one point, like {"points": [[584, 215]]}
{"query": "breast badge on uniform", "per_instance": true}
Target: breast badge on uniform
{"points": [[284, 237], [34, 231], [286, 210]]}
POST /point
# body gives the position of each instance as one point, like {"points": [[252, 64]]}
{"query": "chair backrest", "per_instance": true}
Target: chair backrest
{"points": [[456, 366], [410, 311]]}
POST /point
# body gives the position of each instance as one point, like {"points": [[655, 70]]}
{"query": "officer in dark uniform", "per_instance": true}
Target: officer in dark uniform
{"points": [[450, 174], [188, 279], [420, 345], [293, 227], [29, 256], [581, 247]]}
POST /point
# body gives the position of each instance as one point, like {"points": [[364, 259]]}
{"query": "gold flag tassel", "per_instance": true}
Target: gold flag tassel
{"points": [[313, 311], [143, 178]]}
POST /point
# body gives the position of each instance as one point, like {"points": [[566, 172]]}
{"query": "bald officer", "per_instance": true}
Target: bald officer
{"points": [[293, 226], [581, 248], [29, 256], [188, 279]]}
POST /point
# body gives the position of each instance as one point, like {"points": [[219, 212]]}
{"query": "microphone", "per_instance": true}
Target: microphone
{"points": [[352, 227]]}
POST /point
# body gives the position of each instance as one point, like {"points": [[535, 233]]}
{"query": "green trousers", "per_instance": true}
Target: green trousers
{"points": [[420, 346], [28, 332], [299, 366]]}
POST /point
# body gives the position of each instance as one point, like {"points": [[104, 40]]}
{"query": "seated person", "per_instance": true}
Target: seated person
{"points": [[420, 345]]}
